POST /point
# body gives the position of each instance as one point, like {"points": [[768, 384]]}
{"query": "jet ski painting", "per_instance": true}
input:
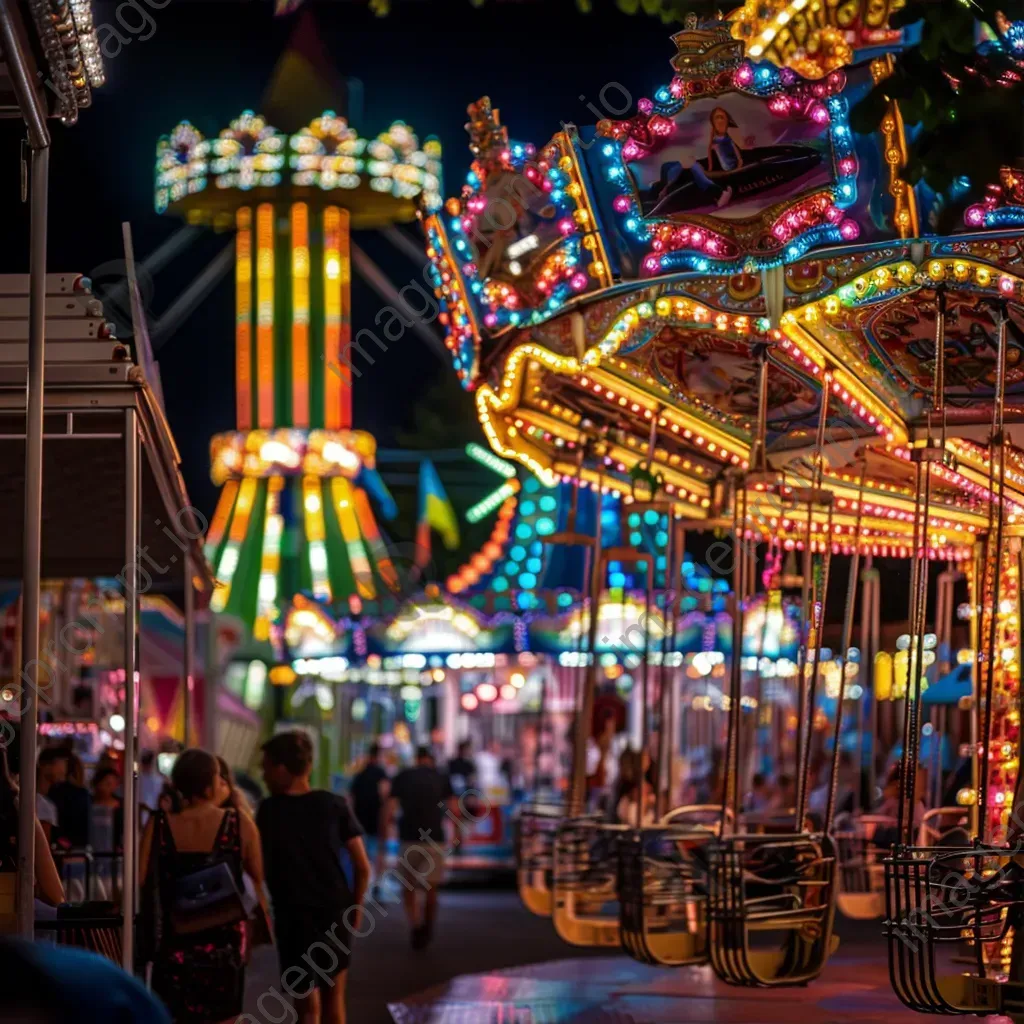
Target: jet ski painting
{"points": [[727, 158]]}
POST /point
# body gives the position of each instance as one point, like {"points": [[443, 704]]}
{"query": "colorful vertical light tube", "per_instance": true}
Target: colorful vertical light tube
{"points": [[243, 318], [313, 506], [300, 314], [370, 530], [341, 494], [225, 504], [270, 563], [229, 556], [337, 324], [265, 315]]}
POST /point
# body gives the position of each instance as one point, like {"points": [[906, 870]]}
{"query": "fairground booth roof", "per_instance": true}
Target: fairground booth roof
{"points": [[608, 294]]}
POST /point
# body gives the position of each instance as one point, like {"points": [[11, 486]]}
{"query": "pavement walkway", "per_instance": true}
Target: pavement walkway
{"points": [[494, 963]]}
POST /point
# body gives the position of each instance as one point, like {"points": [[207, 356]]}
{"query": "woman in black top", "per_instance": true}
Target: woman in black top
{"points": [[200, 975]]}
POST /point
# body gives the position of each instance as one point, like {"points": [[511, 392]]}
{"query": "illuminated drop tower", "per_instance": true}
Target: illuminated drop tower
{"points": [[294, 515]]}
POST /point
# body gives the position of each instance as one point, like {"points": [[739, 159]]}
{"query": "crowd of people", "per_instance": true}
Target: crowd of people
{"points": [[217, 878]]}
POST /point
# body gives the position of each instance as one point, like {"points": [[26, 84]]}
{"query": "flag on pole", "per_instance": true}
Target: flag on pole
{"points": [[436, 513]]}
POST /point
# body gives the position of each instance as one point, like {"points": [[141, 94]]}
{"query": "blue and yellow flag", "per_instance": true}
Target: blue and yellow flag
{"points": [[436, 513]]}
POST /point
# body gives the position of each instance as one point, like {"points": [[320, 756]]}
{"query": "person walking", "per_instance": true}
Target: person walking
{"points": [[304, 832], [48, 883], [51, 771], [73, 803], [72, 800], [420, 795], [106, 830], [462, 768], [369, 792], [198, 960], [228, 793], [151, 785]]}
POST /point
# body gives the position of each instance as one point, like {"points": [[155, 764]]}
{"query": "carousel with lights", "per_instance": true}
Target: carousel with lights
{"points": [[720, 313]]}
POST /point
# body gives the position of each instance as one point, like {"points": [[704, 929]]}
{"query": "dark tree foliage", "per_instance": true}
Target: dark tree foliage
{"points": [[963, 106]]}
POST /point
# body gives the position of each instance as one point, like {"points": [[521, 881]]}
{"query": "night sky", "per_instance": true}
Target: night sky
{"points": [[207, 61], [541, 62]]}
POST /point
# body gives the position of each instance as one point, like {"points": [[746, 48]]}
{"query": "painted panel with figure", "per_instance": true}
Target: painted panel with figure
{"points": [[732, 157]]}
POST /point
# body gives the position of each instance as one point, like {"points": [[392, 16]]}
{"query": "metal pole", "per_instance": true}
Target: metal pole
{"points": [[188, 666], [32, 550], [211, 676], [130, 587], [14, 43]]}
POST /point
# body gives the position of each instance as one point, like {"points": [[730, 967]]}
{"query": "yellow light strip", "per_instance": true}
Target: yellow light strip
{"points": [[681, 505], [225, 570], [491, 403], [337, 279], [265, 315], [225, 503], [895, 151], [243, 318], [270, 562], [715, 441], [300, 315], [593, 242], [313, 510], [674, 469], [341, 494], [893, 279]]}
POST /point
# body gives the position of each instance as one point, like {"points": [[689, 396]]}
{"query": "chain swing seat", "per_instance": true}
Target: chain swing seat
{"points": [[765, 887], [585, 881], [772, 895], [938, 823], [587, 909], [538, 823], [663, 887], [954, 904], [946, 906], [535, 828], [861, 895]]}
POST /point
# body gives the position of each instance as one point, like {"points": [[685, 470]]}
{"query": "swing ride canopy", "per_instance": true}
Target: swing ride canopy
{"points": [[611, 290], [609, 297]]}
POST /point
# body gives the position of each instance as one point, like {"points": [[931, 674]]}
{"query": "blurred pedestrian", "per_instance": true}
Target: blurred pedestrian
{"points": [[228, 793], [151, 784], [74, 805], [52, 769], [72, 800], [462, 769], [635, 790], [48, 883], [169, 802], [420, 795], [369, 792], [304, 832], [106, 830], [759, 797], [197, 858]]}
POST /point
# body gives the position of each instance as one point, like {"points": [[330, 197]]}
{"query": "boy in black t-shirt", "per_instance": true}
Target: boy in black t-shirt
{"points": [[316, 914]]}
